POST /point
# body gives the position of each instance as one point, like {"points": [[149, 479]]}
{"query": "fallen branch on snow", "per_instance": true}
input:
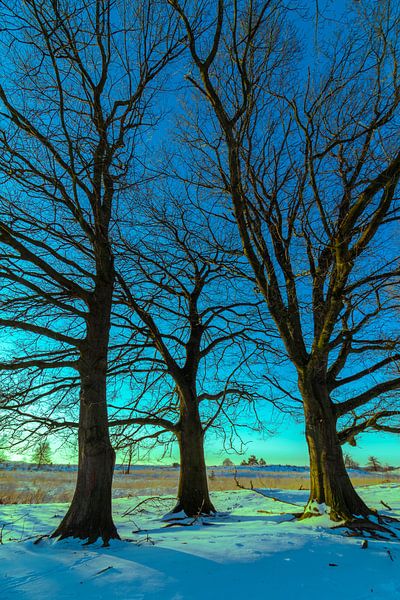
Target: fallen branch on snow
{"points": [[257, 491], [386, 505], [131, 511]]}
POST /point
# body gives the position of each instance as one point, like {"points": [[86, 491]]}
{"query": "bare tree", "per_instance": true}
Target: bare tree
{"points": [[185, 348], [76, 81], [42, 454], [200, 336], [311, 169]]}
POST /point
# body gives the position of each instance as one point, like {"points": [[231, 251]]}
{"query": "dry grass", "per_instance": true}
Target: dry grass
{"points": [[221, 484], [37, 487]]}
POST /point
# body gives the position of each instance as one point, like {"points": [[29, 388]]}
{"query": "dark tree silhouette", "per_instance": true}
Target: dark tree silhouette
{"points": [[204, 333], [311, 167], [74, 89]]}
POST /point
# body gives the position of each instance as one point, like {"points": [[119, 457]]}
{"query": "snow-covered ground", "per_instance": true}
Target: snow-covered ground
{"points": [[252, 549]]}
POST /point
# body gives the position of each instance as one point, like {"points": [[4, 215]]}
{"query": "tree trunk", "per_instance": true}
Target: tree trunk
{"points": [[193, 494], [128, 466], [330, 483], [90, 514]]}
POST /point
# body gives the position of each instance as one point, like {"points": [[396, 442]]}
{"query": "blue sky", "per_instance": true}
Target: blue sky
{"points": [[288, 445]]}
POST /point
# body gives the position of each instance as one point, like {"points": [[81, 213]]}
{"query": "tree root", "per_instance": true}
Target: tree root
{"points": [[40, 538], [89, 536], [179, 521], [365, 527]]}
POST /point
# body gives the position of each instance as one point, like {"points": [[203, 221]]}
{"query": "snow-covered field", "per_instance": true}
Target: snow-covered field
{"points": [[252, 549]]}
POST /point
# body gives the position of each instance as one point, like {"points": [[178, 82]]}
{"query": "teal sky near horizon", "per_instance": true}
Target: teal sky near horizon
{"points": [[287, 446]]}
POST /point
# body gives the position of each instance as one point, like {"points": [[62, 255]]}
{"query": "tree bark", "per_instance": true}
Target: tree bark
{"points": [[193, 494], [90, 513], [330, 483]]}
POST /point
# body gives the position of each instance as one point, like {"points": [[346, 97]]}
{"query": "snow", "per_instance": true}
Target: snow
{"points": [[252, 547], [317, 508]]}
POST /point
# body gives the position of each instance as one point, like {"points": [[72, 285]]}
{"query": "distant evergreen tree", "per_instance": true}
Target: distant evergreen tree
{"points": [[227, 463], [42, 454], [253, 461], [350, 463], [374, 464]]}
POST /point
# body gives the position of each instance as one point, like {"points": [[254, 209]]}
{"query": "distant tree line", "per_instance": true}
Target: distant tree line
{"points": [[253, 461]]}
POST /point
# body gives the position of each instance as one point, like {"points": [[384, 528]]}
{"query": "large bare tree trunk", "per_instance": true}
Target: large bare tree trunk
{"points": [[193, 494], [90, 513], [330, 483]]}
